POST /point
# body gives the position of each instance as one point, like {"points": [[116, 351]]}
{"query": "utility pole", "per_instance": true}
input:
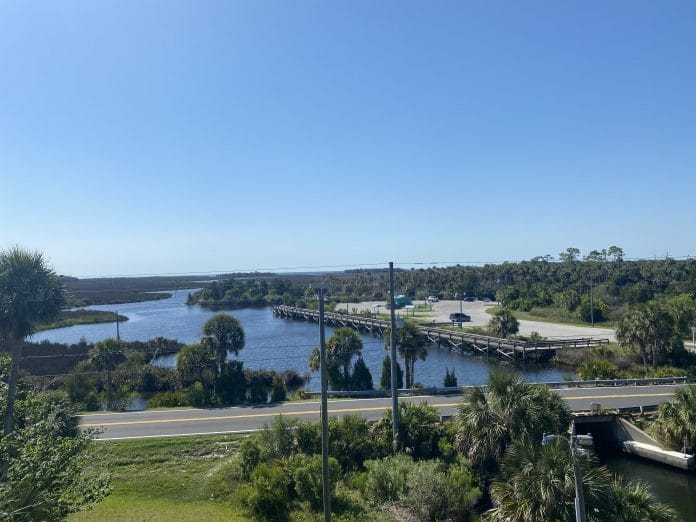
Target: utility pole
{"points": [[326, 489], [118, 333], [591, 301], [394, 374]]}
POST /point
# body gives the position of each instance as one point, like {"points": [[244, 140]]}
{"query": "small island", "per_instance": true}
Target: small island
{"points": [[81, 316]]}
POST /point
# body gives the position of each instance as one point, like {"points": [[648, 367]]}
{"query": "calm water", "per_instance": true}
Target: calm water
{"points": [[669, 485], [271, 342], [281, 344]]}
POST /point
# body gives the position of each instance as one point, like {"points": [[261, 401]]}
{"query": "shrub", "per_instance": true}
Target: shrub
{"points": [[231, 384], [278, 390], [387, 479], [169, 399], [196, 395], [420, 430], [278, 439], [593, 369], [437, 493], [267, 497], [307, 476], [352, 443], [450, 378]]}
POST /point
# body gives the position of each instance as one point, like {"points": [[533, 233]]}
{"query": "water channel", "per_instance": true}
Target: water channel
{"points": [[272, 343]]}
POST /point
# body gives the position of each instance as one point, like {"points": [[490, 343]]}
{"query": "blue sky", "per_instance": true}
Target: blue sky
{"points": [[180, 136]]}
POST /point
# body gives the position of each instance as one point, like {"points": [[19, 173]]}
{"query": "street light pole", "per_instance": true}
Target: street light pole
{"points": [[580, 515], [326, 490], [579, 493]]}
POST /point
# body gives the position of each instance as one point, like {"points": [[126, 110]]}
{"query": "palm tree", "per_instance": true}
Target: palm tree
{"points": [[30, 293], [106, 356], [411, 345], [648, 327], [342, 346], [676, 420], [503, 323], [537, 483], [509, 409], [222, 333], [634, 502]]}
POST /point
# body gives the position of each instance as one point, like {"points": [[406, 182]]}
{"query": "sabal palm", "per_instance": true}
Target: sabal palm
{"points": [[503, 323], [537, 484], [676, 420], [411, 345], [634, 502], [342, 346], [30, 293], [509, 409]]}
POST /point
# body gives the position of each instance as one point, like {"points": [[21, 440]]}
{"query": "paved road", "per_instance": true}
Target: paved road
{"points": [[172, 423]]}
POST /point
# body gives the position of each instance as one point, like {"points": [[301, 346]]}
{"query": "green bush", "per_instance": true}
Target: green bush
{"points": [[278, 392], [267, 497], [420, 430], [593, 369], [387, 479], [352, 443], [278, 440], [450, 378], [196, 395], [249, 457], [307, 476], [169, 399], [437, 493]]}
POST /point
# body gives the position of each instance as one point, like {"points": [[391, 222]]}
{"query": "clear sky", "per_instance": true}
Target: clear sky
{"points": [[182, 136]]}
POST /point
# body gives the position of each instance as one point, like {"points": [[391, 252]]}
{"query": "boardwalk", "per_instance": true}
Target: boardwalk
{"points": [[461, 340]]}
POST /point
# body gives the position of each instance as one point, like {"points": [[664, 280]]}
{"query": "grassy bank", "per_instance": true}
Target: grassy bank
{"points": [[550, 315], [75, 317], [162, 479]]}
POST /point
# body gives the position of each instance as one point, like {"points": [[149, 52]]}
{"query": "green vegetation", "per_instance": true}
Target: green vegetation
{"points": [[74, 317], [45, 472], [164, 479], [411, 345], [489, 462], [503, 323], [344, 345], [676, 421]]}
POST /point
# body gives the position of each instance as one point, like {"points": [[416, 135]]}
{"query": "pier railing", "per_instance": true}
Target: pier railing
{"points": [[484, 344]]}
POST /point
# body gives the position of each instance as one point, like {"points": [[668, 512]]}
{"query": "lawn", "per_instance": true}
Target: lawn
{"points": [[162, 479]]}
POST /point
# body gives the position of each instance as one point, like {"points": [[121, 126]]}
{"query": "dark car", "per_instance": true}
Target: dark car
{"points": [[459, 317]]}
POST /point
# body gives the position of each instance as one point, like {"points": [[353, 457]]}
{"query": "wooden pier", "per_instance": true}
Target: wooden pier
{"points": [[512, 349]]}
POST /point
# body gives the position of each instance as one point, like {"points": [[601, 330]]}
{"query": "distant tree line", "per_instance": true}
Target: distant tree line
{"points": [[603, 282]]}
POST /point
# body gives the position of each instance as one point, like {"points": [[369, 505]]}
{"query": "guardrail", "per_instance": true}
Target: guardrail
{"points": [[457, 390]]}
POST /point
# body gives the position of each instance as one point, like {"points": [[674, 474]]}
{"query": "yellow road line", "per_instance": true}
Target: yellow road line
{"points": [[344, 410]]}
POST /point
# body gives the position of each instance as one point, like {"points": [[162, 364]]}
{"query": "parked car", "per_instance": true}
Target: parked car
{"points": [[458, 317], [433, 299]]}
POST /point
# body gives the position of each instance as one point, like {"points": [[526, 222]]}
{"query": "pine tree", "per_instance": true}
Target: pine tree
{"points": [[385, 379]]}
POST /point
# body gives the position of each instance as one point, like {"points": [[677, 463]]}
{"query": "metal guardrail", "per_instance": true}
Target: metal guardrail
{"points": [[460, 389]]}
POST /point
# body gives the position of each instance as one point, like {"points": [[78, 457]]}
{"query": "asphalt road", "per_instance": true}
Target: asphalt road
{"points": [[173, 423]]}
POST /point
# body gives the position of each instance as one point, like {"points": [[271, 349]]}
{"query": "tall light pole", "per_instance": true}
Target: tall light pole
{"points": [[394, 375], [326, 489], [580, 515]]}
